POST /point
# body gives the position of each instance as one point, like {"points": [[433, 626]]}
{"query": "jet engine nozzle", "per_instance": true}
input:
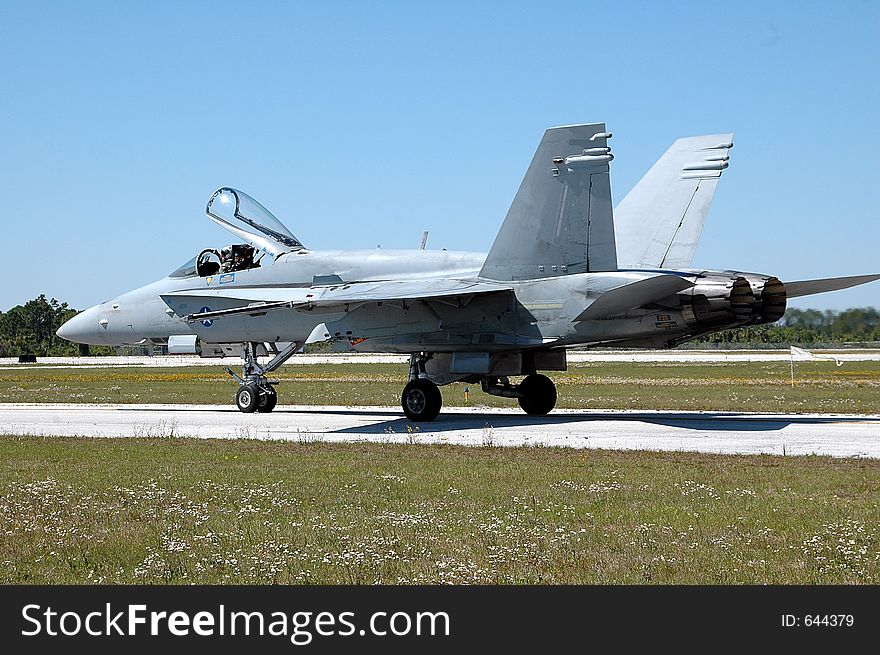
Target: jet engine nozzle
{"points": [[718, 301], [731, 299], [770, 298]]}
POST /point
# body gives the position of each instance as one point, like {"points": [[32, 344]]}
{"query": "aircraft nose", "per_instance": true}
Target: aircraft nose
{"points": [[85, 327]]}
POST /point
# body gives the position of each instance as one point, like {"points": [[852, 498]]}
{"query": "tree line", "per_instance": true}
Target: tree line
{"points": [[30, 329], [807, 327]]}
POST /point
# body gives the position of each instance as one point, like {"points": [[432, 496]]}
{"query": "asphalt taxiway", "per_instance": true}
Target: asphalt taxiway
{"points": [[709, 432]]}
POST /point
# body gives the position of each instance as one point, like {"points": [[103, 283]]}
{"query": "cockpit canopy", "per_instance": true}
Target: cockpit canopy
{"points": [[246, 218], [186, 270]]}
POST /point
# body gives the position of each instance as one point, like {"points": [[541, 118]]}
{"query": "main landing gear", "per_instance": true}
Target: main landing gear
{"points": [[536, 393], [256, 393], [421, 399]]}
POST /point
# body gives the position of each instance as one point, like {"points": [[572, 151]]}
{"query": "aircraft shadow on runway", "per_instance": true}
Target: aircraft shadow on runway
{"points": [[713, 422], [398, 424]]}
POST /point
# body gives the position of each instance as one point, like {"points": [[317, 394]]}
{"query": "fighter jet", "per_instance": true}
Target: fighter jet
{"points": [[565, 271]]}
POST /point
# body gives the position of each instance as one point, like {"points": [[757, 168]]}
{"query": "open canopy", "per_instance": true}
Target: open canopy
{"points": [[246, 218]]}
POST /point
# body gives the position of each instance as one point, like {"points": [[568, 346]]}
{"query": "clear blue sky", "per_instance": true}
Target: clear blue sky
{"points": [[365, 123]]}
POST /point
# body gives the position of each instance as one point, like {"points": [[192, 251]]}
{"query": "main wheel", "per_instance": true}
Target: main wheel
{"points": [[247, 397], [538, 395], [421, 400], [267, 401]]}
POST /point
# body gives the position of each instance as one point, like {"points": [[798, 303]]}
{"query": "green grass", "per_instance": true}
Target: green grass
{"points": [[189, 511], [762, 386]]}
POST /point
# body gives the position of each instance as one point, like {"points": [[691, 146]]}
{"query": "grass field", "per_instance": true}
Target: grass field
{"points": [[182, 511], [756, 386], [179, 511]]}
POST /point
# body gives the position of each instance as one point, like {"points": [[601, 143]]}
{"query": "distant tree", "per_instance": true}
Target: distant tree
{"points": [[30, 329]]}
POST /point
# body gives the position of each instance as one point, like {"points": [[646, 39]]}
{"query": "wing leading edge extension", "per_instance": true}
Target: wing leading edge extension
{"points": [[257, 301]]}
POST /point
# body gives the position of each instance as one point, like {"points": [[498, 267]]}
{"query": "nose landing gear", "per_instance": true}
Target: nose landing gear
{"points": [[253, 398], [256, 393]]}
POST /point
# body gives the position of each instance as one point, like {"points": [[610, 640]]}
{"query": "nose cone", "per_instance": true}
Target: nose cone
{"points": [[85, 327]]}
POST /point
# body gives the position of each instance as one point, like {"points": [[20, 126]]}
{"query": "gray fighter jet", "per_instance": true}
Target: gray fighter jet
{"points": [[564, 271]]}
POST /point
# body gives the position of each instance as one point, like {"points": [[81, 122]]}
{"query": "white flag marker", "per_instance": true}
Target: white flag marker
{"points": [[802, 355]]}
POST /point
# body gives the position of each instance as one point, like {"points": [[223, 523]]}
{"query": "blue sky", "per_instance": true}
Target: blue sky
{"points": [[361, 124]]}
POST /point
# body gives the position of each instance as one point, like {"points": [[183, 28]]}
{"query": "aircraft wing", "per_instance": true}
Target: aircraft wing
{"points": [[258, 300], [810, 287]]}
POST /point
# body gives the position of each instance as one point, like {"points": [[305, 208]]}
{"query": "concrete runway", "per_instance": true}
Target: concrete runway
{"points": [[574, 357], [708, 432]]}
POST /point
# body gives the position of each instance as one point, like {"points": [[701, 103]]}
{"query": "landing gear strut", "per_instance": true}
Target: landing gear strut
{"points": [[421, 399], [256, 392], [536, 393]]}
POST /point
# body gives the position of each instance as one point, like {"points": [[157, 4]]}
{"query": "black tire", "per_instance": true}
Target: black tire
{"points": [[538, 395], [267, 401], [246, 398], [421, 400]]}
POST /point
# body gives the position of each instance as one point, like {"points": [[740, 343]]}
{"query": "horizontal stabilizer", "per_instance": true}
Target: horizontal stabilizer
{"points": [[634, 295], [810, 287]]}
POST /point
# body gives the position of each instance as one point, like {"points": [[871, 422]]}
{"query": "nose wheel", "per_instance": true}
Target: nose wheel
{"points": [[246, 398], [268, 400], [256, 398]]}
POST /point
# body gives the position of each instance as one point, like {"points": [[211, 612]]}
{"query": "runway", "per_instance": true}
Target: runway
{"points": [[574, 357], [707, 432]]}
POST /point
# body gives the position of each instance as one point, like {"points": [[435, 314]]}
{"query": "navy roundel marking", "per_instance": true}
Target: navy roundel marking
{"points": [[206, 323]]}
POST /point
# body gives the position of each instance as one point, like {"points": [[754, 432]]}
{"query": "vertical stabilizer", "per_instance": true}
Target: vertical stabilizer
{"points": [[561, 219], [658, 224]]}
